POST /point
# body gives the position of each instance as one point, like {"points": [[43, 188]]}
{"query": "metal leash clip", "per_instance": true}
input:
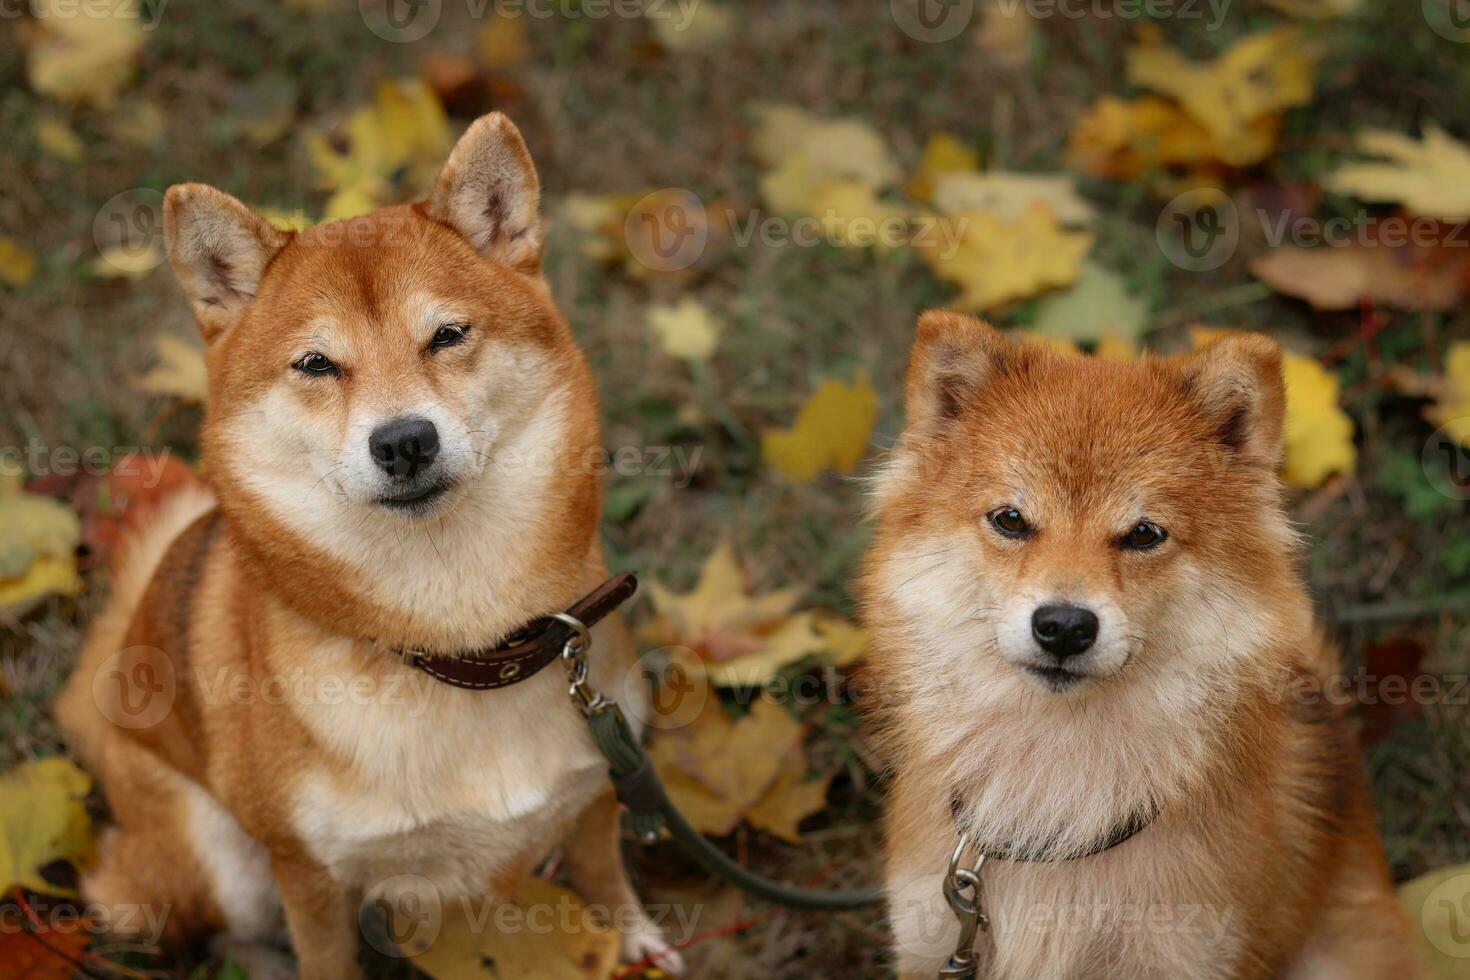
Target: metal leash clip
{"points": [[574, 658], [962, 892]]}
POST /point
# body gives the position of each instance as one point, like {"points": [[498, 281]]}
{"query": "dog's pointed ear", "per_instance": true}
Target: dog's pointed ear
{"points": [[219, 250], [1236, 384], [489, 193], [954, 356]]}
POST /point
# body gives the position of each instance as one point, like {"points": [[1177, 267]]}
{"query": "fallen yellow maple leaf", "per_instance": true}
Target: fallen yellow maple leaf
{"points": [[1011, 195], [805, 152], [393, 150], [1113, 348], [17, 263], [998, 261], [1434, 903], [179, 372], [764, 782], [719, 618], [1452, 409], [831, 431], [791, 799], [83, 56], [59, 140], [854, 217], [502, 41], [792, 640], [1126, 138], [687, 330], [836, 148], [943, 154], [38, 542], [557, 937], [734, 638], [1318, 434], [1429, 177], [1255, 79], [43, 818]]}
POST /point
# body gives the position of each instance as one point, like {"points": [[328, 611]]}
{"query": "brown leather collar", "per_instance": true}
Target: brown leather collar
{"points": [[527, 650]]}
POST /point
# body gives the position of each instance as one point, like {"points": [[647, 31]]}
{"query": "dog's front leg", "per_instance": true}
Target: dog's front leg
{"points": [[320, 915], [594, 860]]}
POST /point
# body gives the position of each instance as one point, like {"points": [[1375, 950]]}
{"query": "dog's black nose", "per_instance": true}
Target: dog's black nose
{"points": [[403, 446], [1064, 631]]}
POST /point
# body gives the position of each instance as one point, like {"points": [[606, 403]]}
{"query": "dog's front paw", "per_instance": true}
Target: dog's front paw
{"points": [[647, 943]]}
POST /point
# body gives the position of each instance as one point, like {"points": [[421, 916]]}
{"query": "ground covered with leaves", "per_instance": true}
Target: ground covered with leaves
{"points": [[749, 206]]}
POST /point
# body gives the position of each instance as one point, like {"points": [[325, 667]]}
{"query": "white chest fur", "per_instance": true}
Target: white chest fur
{"points": [[441, 783], [1143, 912]]}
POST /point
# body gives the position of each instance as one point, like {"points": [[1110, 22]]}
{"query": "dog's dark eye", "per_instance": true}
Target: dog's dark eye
{"points": [[315, 363], [1144, 536], [1008, 521], [448, 336]]}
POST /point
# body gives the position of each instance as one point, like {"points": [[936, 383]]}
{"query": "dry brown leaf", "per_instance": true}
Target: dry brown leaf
{"points": [[1340, 278]]}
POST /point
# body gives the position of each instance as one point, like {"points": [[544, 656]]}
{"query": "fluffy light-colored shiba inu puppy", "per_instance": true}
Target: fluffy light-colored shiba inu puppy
{"points": [[402, 436], [1094, 654]]}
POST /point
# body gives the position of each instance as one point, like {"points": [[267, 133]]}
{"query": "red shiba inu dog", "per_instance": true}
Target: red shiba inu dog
{"points": [[1096, 659], [399, 429]]}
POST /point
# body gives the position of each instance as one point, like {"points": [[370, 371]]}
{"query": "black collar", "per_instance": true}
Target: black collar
{"points": [[1050, 852]]}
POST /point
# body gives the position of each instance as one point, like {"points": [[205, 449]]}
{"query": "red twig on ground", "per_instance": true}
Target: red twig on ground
{"points": [[632, 969], [1370, 325]]}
